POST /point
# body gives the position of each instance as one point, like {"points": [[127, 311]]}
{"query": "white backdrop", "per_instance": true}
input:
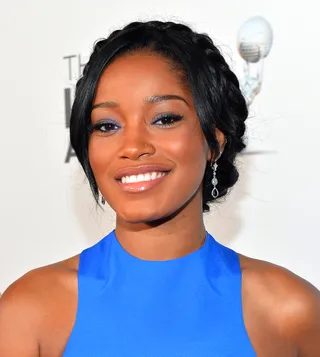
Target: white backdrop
{"points": [[47, 212]]}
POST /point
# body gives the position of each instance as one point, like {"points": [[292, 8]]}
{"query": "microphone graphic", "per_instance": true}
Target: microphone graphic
{"points": [[255, 39]]}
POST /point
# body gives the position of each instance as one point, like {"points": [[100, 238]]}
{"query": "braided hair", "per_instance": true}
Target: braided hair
{"points": [[218, 100]]}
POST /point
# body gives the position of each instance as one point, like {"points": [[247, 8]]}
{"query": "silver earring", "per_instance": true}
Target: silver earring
{"points": [[103, 201], [214, 192]]}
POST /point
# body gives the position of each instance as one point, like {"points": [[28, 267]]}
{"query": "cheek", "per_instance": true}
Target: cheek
{"points": [[99, 156], [190, 150]]}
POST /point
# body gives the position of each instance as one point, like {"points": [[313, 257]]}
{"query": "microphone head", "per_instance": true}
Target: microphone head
{"points": [[255, 39]]}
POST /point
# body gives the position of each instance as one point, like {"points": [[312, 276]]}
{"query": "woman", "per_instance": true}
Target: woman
{"points": [[157, 121]]}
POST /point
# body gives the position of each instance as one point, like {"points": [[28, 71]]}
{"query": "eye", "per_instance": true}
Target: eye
{"points": [[166, 120], [105, 126]]}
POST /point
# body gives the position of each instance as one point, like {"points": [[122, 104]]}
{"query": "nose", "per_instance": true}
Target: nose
{"points": [[136, 143]]}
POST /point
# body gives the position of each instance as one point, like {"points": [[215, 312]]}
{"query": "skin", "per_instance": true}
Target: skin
{"points": [[37, 312]]}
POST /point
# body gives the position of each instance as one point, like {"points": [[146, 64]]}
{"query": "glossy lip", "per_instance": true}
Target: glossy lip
{"points": [[138, 187], [141, 169]]}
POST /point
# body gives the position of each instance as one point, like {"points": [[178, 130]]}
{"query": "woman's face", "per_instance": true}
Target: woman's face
{"points": [[147, 150]]}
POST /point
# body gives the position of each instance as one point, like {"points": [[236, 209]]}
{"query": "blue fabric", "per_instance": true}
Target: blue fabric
{"points": [[185, 307]]}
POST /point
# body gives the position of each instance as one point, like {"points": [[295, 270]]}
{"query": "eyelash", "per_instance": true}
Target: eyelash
{"points": [[100, 125], [174, 118]]}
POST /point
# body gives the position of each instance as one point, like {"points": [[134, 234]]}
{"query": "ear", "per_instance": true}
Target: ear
{"points": [[221, 140]]}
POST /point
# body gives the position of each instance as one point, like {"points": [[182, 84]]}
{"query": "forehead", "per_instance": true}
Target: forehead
{"points": [[140, 74]]}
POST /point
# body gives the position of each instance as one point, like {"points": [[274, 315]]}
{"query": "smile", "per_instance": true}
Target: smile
{"points": [[141, 182], [149, 176]]}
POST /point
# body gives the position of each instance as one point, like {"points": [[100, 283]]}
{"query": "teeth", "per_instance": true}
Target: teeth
{"points": [[142, 177]]}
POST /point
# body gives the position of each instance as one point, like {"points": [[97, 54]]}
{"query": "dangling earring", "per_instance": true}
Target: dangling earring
{"points": [[103, 201], [214, 192]]}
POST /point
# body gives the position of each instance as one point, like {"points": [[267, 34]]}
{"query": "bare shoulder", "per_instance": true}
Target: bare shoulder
{"points": [[41, 282], [288, 303], [36, 303], [279, 281]]}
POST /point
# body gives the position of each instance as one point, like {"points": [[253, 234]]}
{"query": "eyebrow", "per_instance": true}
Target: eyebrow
{"points": [[163, 98], [149, 100]]}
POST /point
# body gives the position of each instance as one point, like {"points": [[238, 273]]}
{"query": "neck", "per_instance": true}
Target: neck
{"points": [[167, 239]]}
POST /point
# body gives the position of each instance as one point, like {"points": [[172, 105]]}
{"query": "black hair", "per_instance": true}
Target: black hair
{"points": [[218, 100]]}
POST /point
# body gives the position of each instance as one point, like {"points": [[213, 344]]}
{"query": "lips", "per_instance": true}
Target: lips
{"points": [[140, 170], [141, 178]]}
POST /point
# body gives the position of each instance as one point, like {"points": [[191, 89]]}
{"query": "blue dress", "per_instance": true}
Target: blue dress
{"points": [[185, 307]]}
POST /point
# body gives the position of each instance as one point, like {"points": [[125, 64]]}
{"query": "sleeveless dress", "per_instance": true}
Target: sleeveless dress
{"points": [[185, 307]]}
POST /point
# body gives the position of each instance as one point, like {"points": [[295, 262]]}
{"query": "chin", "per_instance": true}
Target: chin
{"points": [[147, 215], [139, 216]]}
